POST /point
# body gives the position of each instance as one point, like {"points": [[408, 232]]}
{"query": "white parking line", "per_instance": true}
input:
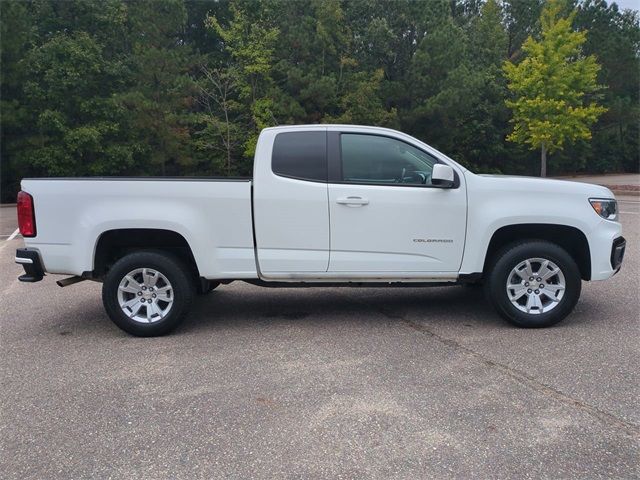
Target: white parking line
{"points": [[13, 235]]}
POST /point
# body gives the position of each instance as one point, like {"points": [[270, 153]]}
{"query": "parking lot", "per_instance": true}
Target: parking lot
{"points": [[320, 383]]}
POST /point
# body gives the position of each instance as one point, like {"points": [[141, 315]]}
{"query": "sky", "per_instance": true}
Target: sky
{"points": [[633, 4]]}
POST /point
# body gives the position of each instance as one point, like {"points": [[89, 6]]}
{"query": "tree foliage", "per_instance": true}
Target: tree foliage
{"points": [[183, 87], [553, 87]]}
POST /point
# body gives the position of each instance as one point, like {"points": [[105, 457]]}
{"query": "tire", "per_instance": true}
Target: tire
{"points": [[160, 279], [553, 304]]}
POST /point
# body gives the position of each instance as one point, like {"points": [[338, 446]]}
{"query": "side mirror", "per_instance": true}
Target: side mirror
{"points": [[442, 176]]}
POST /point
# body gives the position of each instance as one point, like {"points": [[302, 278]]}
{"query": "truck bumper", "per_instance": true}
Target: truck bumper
{"points": [[30, 261], [607, 247], [617, 253]]}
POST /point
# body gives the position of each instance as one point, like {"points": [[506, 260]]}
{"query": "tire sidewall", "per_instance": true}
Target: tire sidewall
{"points": [[164, 263], [512, 256]]}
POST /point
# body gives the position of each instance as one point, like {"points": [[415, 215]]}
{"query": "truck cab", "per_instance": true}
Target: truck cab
{"points": [[356, 203]]}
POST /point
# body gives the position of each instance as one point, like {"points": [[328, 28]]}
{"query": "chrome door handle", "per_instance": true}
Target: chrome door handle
{"points": [[353, 201]]}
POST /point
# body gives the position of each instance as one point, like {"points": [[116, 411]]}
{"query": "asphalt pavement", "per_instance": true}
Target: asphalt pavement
{"points": [[320, 383], [609, 180]]}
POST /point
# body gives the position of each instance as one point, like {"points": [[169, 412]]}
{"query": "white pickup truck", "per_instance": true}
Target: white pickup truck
{"points": [[327, 205]]}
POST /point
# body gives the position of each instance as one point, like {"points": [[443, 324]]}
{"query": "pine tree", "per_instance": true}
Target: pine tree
{"points": [[159, 90]]}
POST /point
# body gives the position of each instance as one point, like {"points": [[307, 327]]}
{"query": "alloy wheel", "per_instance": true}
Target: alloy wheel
{"points": [[145, 295], [536, 286]]}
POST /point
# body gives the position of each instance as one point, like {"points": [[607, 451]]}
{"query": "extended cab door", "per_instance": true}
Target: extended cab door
{"points": [[290, 205], [385, 214]]}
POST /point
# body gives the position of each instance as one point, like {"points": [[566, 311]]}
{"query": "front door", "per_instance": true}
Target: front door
{"points": [[385, 215]]}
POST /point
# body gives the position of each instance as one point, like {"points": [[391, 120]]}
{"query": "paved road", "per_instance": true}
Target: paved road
{"points": [[610, 180], [320, 383], [8, 221]]}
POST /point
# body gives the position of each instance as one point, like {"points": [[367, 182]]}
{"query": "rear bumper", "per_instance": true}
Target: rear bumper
{"points": [[30, 261]]}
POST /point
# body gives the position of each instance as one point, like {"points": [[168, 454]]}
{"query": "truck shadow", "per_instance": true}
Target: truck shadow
{"points": [[240, 305], [244, 305]]}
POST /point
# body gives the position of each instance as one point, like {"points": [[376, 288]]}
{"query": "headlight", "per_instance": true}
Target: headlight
{"points": [[605, 207]]}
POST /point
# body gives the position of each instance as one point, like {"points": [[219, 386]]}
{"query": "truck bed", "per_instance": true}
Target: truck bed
{"points": [[164, 178], [212, 214]]}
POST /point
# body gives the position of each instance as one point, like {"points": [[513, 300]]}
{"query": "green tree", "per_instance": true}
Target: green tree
{"points": [[250, 42], [16, 34], [614, 38], [553, 87], [361, 104], [219, 129], [311, 61], [479, 139], [522, 19], [159, 91], [182, 87], [77, 127], [441, 85]]}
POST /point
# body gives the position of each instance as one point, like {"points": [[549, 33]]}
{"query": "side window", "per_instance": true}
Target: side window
{"points": [[378, 160], [300, 155]]}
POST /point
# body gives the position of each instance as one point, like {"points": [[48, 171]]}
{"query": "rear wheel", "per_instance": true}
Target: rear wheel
{"points": [[147, 293], [533, 284]]}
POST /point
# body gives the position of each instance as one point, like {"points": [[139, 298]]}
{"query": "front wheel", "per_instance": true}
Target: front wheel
{"points": [[147, 293], [533, 284]]}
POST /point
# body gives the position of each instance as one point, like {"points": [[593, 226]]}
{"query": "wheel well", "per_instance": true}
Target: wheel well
{"points": [[569, 238], [114, 244]]}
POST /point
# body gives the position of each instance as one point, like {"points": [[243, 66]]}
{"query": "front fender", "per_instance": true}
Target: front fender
{"points": [[497, 202]]}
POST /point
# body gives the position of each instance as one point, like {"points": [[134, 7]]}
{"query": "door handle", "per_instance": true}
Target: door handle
{"points": [[353, 201]]}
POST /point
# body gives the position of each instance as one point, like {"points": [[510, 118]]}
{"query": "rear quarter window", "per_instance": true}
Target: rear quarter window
{"points": [[301, 155]]}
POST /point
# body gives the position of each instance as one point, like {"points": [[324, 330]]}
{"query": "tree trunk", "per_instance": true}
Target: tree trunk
{"points": [[543, 161], [228, 142]]}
